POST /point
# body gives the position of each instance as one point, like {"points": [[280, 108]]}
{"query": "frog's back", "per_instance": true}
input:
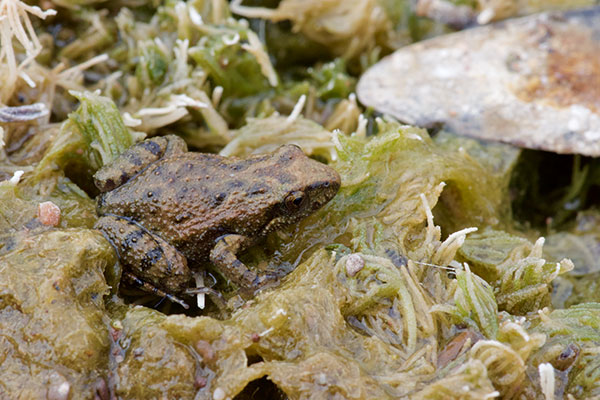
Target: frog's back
{"points": [[190, 199]]}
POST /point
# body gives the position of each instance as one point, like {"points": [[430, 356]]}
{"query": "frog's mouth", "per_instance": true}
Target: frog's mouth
{"points": [[323, 192]]}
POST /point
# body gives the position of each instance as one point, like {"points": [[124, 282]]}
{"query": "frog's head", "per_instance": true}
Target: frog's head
{"points": [[308, 187]]}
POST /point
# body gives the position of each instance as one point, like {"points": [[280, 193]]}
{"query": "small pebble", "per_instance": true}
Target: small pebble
{"points": [[138, 352], [114, 333], [101, 389], [59, 389], [49, 213], [206, 351], [218, 394], [16, 178], [321, 379], [566, 358], [354, 264], [200, 382]]}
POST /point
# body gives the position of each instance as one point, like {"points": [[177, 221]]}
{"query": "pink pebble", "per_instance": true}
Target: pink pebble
{"points": [[49, 213]]}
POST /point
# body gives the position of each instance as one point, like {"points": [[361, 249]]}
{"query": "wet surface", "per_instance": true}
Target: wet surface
{"points": [[533, 82], [571, 74]]}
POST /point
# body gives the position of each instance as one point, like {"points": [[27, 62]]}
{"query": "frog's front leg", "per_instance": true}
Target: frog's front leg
{"points": [[223, 255], [135, 159], [148, 260]]}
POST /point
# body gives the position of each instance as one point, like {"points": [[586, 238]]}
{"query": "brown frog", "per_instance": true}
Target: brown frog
{"points": [[161, 206]]}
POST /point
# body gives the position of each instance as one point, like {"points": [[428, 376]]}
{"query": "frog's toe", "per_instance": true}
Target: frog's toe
{"points": [[258, 282], [147, 287], [264, 280]]}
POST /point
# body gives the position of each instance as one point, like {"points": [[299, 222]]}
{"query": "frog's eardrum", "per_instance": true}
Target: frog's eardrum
{"points": [[533, 82]]}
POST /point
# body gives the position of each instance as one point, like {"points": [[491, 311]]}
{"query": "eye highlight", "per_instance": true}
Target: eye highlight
{"points": [[294, 201]]}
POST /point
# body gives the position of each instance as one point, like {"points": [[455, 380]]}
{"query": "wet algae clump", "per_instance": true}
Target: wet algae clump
{"points": [[425, 277], [53, 319]]}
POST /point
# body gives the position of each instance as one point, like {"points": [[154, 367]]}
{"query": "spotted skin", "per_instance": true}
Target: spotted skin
{"points": [[154, 259], [133, 160], [204, 207]]}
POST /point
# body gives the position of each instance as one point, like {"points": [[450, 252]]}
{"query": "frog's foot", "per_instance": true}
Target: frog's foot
{"points": [[223, 255], [264, 280], [135, 159], [145, 286], [215, 296]]}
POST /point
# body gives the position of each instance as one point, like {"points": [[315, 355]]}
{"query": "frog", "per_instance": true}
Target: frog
{"points": [[163, 207]]}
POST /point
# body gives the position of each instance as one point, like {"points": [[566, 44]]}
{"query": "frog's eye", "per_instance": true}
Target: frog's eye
{"points": [[294, 201]]}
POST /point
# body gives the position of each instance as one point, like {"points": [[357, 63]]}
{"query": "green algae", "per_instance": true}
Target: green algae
{"points": [[423, 278]]}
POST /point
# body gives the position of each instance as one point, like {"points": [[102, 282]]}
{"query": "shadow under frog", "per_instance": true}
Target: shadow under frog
{"points": [[161, 206]]}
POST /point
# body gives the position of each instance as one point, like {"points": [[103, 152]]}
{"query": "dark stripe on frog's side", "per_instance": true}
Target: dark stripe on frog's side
{"points": [[153, 147], [133, 237], [134, 159], [153, 256]]}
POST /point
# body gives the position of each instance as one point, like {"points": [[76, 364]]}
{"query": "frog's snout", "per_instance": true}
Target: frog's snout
{"points": [[333, 183], [331, 187], [336, 182], [324, 190]]}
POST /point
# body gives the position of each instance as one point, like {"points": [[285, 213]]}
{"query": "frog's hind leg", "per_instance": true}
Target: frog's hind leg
{"points": [[145, 286], [135, 159], [148, 260]]}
